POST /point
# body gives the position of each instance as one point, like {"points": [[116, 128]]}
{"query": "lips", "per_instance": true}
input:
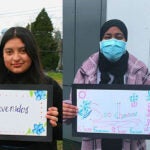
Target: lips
{"points": [[17, 65]]}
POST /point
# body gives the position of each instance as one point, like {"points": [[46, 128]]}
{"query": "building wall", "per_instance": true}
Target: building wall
{"points": [[136, 16]]}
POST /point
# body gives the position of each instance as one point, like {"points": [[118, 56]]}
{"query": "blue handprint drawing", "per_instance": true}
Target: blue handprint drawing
{"points": [[85, 109]]}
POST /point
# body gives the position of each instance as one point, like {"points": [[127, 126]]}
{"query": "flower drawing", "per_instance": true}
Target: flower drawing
{"points": [[38, 129], [40, 95]]}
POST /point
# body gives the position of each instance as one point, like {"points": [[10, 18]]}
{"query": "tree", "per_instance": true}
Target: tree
{"points": [[42, 29], [58, 39]]}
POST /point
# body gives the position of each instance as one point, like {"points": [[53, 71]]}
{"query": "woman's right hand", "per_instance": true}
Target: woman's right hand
{"points": [[69, 111]]}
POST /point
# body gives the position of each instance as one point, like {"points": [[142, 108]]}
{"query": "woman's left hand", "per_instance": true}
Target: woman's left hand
{"points": [[52, 115]]}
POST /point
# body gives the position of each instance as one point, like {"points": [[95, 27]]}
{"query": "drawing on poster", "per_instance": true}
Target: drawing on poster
{"points": [[113, 111]]}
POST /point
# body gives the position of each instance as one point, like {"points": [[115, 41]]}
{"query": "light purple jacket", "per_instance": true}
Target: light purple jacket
{"points": [[137, 73]]}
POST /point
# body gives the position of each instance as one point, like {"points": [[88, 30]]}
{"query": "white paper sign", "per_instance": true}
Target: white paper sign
{"points": [[22, 112], [113, 111]]}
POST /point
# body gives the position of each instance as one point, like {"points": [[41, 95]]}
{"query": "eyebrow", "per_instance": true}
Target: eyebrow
{"points": [[17, 47], [7, 48], [114, 34]]}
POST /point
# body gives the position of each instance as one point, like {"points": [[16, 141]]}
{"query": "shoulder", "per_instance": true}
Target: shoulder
{"points": [[51, 81], [57, 89], [92, 59], [88, 69], [134, 64], [90, 64]]}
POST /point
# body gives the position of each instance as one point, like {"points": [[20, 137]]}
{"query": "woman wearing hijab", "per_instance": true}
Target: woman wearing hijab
{"points": [[112, 64]]}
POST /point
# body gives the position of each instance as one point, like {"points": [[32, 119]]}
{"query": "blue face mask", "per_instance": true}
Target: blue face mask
{"points": [[113, 49]]}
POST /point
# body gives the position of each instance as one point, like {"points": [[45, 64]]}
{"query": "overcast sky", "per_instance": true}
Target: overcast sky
{"points": [[22, 12]]}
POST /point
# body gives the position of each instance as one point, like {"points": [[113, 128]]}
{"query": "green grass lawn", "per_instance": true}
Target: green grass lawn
{"points": [[56, 76], [59, 145]]}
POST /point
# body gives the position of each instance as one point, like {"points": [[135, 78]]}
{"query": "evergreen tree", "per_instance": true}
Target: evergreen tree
{"points": [[58, 39], [42, 29]]}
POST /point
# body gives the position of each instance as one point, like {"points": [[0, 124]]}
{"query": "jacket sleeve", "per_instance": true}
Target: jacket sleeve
{"points": [[57, 102]]}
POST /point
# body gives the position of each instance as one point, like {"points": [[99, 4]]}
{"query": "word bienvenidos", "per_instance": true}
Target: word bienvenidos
{"points": [[18, 109]]}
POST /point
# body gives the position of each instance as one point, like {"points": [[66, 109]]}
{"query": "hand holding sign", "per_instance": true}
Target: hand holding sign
{"points": [[69, 110], [52, 115]]}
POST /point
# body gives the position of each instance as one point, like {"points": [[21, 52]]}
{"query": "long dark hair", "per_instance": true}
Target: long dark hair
{"points": [[35, 73]]}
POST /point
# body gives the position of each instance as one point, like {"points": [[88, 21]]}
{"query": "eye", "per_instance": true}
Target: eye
{"points": [[8, 51], [107, 36], [119, 36], [22, 50]]}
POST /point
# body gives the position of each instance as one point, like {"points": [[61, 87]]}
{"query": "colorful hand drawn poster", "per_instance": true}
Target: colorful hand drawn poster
{"points": [[113, 111], [23, 111]]}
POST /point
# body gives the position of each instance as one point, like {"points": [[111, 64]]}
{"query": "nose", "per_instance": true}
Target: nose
{"points": [[16, 56]]}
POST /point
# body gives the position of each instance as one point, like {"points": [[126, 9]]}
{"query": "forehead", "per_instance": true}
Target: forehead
{"points": [[113, 29], [14, 42]]}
